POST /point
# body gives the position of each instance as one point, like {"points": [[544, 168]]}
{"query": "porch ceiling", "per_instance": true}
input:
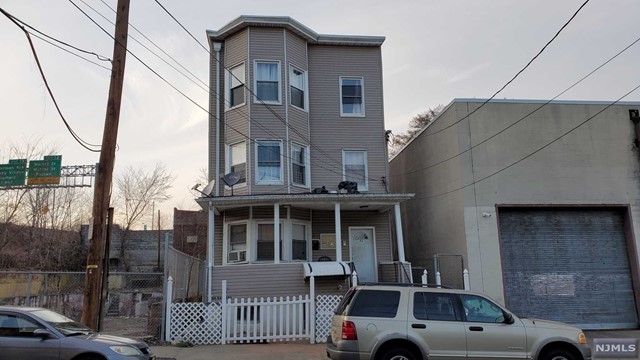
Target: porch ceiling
{"points": [[379, 202]]}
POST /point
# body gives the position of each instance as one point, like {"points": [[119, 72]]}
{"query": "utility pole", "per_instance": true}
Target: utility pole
{"points": [[102, 191]]}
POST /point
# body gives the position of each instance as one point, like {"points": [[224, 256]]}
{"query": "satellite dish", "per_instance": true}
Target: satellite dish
{"points": [[209, 188], [231, 179]]}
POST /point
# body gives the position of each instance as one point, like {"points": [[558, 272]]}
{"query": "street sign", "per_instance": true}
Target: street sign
{"points": [[45, 171], [14, 173]]}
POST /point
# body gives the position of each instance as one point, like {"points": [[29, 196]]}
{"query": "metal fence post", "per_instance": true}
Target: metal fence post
{"points": [[438, 278], [165, 266], [425, 277], [312, 295], [169, 298], [30, 279], [465, 276], [354, 278]]}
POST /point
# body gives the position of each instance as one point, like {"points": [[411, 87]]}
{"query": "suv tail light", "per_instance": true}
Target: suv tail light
{"points": [[349, 331]]}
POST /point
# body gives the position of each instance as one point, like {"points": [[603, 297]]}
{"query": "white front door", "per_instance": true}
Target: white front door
{"points": [[363, 255]]}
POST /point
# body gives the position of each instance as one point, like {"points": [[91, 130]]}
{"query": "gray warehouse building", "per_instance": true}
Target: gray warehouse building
{"points": [[540, 200]]}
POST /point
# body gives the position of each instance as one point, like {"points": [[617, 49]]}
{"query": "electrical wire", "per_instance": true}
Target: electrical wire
{"points": [[179, 91], [516, 75], [46, 83], [269, 108], [522, 118], [68, 51], [534, 152]]}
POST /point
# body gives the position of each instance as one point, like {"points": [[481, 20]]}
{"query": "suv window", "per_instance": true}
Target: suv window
{"points": [[375, 303], [434, 306], [479, 309]]}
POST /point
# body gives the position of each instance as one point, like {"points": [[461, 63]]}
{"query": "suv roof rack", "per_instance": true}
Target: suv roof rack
{"points": [[405, 284]]}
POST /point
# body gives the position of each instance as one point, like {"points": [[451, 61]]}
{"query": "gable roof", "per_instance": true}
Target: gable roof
{"points": [[292, 25]]}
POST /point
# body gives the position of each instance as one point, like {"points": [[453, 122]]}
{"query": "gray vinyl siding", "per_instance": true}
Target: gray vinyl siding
{"points": [[217, 244], [236, 214], [300, 214], [298, 119], [324, 223], [260, 280], [333, 133]]}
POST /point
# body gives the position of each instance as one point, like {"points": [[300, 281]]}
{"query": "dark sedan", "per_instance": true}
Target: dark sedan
{"points": [[39, 334]]}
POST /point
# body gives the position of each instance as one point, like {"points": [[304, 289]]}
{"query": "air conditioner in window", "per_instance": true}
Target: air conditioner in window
{"points": [[237, 256]]}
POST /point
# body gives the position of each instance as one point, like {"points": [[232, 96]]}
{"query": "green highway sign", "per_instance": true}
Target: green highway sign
{"points": [[13, 173], [45, 171]]}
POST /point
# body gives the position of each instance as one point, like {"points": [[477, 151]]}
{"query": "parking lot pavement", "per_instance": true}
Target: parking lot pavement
{"points": [[281, 351]]}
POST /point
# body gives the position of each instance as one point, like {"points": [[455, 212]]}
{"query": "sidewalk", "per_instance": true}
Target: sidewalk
{"points": [[298, 350], [283, 351]]}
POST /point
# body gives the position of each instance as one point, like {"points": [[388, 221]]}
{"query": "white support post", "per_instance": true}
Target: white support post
{"points": [[276, 233], [438, 278], [312, 307], [225, 316], [210, 236], [354, 279], [465, 277], [425, 277], [338, 232], [169, 297], [399, 236]]}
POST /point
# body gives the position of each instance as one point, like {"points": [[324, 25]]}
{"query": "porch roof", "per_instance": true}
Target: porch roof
{"points": [[327, 268], [380, 202]]}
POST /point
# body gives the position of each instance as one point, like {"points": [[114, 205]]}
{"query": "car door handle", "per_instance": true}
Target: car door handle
{"points": [[476, 328], [419, 326]]}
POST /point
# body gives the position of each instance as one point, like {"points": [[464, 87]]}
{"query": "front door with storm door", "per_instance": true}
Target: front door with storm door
{"points": [[363, 255]]}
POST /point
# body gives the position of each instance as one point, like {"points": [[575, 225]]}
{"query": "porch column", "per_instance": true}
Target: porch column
{"points": [[210, 237], [399, 237], [338, 233], [276, 233]]}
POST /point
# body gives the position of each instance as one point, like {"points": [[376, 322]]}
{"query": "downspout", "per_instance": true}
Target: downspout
{"points": [[217, 47]]}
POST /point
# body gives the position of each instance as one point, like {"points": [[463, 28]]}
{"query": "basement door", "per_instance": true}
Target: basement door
{"points": [[362, 251], [569, 265]]}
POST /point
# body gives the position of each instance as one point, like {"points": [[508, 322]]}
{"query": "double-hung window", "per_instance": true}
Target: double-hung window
{"points": [[298, 242], [267, 74], [237, 249], [299, 165], [237, 160], [355, 168], [351, 96], [298, 88], [265, 246], [269, 162], [235, 86]]}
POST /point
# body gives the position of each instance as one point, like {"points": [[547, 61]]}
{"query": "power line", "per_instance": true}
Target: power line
{"points": [[183, 94], [68, 51], [275, 114], [46, 83], [516, 75], [535, 151], [524, 117]]}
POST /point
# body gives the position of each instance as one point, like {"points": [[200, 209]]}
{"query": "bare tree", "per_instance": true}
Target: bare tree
{"points": [[137, 191], [416, 125]]}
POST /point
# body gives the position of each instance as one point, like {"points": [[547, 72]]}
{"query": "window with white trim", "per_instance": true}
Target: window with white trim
{"points": [[237, 246], [265, 247], [298, 87], [237, 160], [298, 242], [351, 96], [267, 83], [269, 162], [235, 86], [299, 165], [355, 168]]}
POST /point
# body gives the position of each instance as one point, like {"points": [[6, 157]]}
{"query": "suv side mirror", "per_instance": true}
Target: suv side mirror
{"points": [[42, 333], [508, 318]]}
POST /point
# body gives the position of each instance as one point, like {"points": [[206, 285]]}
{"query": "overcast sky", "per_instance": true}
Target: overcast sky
{"points": [[434, 51]]}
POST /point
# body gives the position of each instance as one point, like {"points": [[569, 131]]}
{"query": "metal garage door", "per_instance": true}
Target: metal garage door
{"points": [[569, 265]]}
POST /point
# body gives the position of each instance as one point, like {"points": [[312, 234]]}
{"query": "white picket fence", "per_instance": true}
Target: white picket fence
{"points": [[242, 320]]}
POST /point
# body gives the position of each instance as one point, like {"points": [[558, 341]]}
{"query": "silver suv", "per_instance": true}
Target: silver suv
{"points": [[408, 322]]}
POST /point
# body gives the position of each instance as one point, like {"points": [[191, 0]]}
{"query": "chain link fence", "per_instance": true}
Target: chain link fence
{"points": [[133, 307]]}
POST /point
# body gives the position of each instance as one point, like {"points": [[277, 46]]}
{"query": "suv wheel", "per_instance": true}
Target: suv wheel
{"points": [[558, 354], [398, 354]]}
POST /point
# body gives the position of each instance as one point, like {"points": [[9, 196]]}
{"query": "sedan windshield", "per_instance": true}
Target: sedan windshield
{"points": [[66, 326]]}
